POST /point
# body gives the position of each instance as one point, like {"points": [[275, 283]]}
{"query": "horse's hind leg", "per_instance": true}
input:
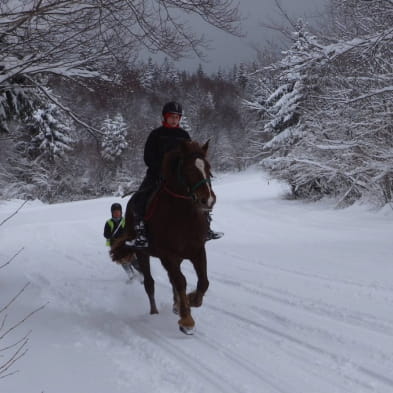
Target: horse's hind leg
{"points": [[195, 298], [179, 284], [148, 282]]}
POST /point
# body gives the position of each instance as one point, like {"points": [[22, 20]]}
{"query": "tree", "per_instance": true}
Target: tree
{"points": [[148, 76], [33, 164], [280, 99], [242, 76], [331, 118], [83, 38], [114, 139], [185, 123], [52, 133]]}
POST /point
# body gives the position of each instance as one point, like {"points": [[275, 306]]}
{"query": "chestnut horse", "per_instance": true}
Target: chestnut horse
{"points": [[177, 226]]}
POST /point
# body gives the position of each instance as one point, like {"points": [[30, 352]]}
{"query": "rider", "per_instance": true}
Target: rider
{"points": [[160, 141]]}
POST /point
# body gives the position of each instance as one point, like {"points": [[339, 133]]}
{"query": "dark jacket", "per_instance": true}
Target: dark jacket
{"points": [[113, 230], [160, 141]]}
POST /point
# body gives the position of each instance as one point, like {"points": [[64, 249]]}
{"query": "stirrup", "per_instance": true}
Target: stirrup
{"points": [[140, 240], [212, 235], [137, 243]]}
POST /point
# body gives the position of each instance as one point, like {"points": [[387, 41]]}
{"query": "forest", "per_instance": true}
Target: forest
{"points": [[77, 103]]}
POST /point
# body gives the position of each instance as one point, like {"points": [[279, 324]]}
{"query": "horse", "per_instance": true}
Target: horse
{"points": [[177, 227]]}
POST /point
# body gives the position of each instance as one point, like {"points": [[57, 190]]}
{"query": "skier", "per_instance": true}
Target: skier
{"points": [[114, 228]]}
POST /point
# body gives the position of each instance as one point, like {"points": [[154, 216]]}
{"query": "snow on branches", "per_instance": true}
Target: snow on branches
{"points": [[114, 138], [53, 132], [330, 117]]}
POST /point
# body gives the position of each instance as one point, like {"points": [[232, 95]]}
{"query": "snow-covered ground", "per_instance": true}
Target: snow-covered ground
{"points": [[300, 301]]}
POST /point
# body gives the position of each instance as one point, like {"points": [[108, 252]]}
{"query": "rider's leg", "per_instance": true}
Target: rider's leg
{"points": [[139, 201], [212, 235]]}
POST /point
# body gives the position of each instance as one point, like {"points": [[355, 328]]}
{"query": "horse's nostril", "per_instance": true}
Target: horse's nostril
{"points": [[204, 201]]}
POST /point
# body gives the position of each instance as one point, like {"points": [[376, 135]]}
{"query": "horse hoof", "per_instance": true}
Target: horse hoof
{"points": [[189, 331]]}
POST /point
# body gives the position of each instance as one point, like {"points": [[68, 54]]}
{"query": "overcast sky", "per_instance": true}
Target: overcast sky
{"points": [[229, 50]]}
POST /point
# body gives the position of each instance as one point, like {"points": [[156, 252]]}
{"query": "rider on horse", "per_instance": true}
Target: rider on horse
{"points": [[160, 141]]}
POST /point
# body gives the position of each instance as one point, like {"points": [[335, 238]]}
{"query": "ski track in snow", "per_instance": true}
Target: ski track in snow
{"points": [[299, 301]]}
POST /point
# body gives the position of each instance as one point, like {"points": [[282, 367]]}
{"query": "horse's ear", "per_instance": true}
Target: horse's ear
{"points": [[205, 147]]}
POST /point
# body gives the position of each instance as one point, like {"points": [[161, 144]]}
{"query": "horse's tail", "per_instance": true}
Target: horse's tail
{"points": [[119, 251]]}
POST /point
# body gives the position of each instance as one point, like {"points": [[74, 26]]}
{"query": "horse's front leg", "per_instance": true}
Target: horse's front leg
{"points": [[199, 262], [175, 307], [148, 282], [178, 281]]}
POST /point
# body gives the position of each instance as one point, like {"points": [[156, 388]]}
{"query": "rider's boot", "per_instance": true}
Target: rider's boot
{"points": [[140, 240], [212, 235]]}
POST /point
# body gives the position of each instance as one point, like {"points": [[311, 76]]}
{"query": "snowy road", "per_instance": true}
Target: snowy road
{"points": [[300, 301]]}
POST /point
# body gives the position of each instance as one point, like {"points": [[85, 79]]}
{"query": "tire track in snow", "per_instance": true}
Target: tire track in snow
{"points": [[192, 362], [380, 290], [234, 357], [240, 361], [333, 357], [146, 331], [267, 378], [319, 308]]}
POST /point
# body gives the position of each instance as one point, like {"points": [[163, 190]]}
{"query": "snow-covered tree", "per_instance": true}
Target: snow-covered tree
{"points": [[114, 139], [17, 103], [169, 73], [148, 76], [330, 118], [285, 105], [52, 133], [185, 123], [83, 38]]}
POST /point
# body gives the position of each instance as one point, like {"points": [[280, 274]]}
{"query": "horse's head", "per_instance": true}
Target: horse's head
{"points": [[187, 171]]}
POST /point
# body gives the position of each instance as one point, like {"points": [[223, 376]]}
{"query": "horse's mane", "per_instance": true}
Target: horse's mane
{"points": [[185, 149]]}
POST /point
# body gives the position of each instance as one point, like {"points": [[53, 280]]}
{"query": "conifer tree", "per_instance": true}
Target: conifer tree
{"points": [[114, 139], [52, 133]]}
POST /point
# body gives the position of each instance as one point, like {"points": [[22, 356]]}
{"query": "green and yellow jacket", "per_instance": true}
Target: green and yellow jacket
{"points": [[113, 230]]}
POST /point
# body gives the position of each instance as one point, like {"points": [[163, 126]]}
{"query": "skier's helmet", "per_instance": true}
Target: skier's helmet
{"points": [[172, 107], [115, 206]]}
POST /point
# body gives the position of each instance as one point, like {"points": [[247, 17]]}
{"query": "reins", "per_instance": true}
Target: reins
{"points": [[175, 195], [154, 202]]}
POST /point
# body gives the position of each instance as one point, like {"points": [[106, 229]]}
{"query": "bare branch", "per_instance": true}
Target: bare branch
{"points": [[93, 131]]}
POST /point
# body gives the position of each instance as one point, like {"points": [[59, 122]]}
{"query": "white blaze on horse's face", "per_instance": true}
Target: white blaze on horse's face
{"points": [[200, 164]]}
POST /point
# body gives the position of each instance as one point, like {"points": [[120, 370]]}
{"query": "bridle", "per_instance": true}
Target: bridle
{"points": [[191, 195]]}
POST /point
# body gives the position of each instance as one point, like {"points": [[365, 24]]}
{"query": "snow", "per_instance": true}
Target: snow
{"points": [[300, 301]]}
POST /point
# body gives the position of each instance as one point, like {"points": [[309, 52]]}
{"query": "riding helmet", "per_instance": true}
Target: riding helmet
{"points": [[172, 107], [115, 206]]}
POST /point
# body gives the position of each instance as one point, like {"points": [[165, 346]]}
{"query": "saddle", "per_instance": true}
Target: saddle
{"points": [[152, 201]]}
